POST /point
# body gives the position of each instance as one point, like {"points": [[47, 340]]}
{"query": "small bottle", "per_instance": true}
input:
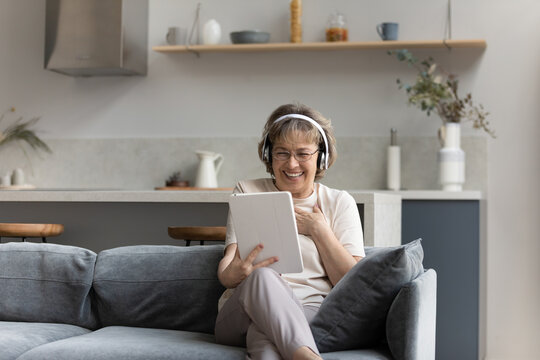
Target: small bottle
{"points": [[296, 21], [336, 28], [393, 163]]}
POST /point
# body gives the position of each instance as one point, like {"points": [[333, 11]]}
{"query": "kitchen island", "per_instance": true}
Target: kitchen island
{"points": [[102, 219]]}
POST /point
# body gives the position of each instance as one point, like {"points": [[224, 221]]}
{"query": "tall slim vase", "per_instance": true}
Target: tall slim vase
{"points": [[451, 158]]}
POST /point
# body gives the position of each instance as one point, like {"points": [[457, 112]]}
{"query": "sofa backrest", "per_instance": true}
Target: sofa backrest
{"points": [[167, 287], [46, 283]]}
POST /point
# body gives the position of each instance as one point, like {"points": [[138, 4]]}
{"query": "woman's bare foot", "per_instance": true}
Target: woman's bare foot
{"points": [[305, 353]]}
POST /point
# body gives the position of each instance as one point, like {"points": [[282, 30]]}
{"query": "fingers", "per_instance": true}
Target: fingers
{"points": [[253, 254], [266, 262]]}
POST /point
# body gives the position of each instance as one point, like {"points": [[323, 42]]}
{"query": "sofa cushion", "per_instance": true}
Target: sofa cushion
{"points": [[166, 287], [16, 338], [46, 283], [353, 315], [118, 343]]}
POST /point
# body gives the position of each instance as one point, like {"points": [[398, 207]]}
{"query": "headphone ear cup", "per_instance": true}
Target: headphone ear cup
{"points": [[266, 151], [321, 161]]}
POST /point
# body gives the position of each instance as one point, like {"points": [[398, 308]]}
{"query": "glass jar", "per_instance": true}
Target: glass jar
{"points": [[336, 28]]}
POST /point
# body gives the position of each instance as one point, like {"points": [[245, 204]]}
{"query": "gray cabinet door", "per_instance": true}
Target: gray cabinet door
{"points": [[451, 235]]}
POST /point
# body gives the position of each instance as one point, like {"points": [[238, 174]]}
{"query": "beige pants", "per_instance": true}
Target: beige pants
{"points": [[264, 316]]}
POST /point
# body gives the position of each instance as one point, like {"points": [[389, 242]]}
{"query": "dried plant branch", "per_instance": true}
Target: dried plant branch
{"points": [[437, 91], [21, 131]]}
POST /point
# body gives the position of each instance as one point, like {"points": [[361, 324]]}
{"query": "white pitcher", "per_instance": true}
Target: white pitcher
{"points": [[209, 165]]}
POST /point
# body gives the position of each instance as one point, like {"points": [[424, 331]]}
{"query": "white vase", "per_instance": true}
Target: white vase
{"points": [[211, 32], [451, 158]]}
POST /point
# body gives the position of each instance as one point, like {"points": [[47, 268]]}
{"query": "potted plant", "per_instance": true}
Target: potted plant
{"points": [[19, 131], [437, 91]]}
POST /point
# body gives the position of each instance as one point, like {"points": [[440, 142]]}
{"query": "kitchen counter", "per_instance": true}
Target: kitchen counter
{"points": [[205, 196], [98, 213], [139, 211]]}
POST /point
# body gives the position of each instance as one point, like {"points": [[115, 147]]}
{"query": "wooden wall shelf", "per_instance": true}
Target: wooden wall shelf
{"points": [[325, 46]]}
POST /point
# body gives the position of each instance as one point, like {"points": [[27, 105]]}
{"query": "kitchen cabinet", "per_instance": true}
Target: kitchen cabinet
{"points": [[450, 230], [325, 46]]}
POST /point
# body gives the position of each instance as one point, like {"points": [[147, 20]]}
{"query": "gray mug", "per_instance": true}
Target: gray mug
{"points": [[176, 35], [388, 30]]}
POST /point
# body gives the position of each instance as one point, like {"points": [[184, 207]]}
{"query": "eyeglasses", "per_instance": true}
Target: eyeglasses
{"points": [[301, 156]]}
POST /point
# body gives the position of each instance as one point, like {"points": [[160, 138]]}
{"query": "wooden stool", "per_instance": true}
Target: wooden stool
{"points": [[30, 230], [198, 233]]}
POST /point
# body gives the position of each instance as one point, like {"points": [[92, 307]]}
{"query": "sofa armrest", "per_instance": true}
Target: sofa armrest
{"points": [[411, 320]]}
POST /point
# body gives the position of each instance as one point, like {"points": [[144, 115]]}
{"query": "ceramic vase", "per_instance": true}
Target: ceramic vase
{"points": [[451, 158], [211, 32]]}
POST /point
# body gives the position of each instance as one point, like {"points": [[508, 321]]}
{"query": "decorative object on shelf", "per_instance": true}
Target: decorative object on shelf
{"points": [[176, 180], [211, 32], [249, 37], [336, 28], [5, 180], [296, 21], [437, 91], [17, 177], [451, 158], [21, 131], [209, 166], [393, 163], [176, 35], [195, 28], [388, 31]]}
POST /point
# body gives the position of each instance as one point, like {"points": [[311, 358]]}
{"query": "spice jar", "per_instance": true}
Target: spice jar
{"points": [[336, 28]]}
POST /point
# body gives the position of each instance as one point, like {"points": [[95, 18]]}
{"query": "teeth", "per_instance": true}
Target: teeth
{"points": [[294, 174]]}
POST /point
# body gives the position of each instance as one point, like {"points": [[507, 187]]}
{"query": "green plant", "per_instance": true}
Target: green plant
{"points": [[21, 131], [437, 91]]}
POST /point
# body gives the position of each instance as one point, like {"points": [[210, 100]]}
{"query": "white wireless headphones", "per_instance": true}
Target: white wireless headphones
{"points": [[322, 161]]}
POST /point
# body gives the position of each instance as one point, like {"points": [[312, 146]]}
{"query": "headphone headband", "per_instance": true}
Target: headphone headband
{"points": [[312, 122]]}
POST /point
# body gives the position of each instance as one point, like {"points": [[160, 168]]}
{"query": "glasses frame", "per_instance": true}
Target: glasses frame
{"points": [[293, 154]]}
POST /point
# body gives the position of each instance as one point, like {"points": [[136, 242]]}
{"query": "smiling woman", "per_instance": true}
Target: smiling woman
{"points": [[271, 312]]}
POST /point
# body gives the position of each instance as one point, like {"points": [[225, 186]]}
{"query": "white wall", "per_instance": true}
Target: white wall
{"points": [[226, 95]]}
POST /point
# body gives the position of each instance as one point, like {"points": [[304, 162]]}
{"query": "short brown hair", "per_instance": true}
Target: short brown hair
{"points": [[285, 129]]}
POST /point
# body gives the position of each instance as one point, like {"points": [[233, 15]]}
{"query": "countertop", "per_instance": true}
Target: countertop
{"points": [[210, 196]]}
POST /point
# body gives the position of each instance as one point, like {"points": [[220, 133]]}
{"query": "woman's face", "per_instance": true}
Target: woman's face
{"points": [[292, 175]]}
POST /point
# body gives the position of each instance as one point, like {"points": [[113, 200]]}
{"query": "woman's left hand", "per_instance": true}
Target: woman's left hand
{"points": [[310, 223]]}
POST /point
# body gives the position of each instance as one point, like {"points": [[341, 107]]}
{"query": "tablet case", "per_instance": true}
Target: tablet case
{"points": [[267, 218]]}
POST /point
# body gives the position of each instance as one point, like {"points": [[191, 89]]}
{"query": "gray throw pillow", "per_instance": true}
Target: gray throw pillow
{"points": [[353, 315], [46, 283]]}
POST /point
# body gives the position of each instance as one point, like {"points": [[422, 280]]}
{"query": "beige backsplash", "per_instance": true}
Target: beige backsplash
{"points": [[146, 163]]}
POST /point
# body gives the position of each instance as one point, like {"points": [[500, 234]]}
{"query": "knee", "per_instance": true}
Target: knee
{"points": [[262, 275]]}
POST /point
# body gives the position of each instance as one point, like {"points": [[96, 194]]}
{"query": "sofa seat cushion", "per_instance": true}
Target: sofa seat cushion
{"points": [[119, 343], [163, 287], [47, 283], [381, 353], [16, 338]]}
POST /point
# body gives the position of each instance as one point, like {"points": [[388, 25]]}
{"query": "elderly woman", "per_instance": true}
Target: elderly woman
{"points": [[267, 312]]}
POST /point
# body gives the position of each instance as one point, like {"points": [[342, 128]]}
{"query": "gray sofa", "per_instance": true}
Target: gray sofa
{"points": [[160, 302]]}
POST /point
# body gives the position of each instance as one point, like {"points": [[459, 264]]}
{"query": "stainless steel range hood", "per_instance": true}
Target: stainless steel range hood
{"points": [[96, 37]]}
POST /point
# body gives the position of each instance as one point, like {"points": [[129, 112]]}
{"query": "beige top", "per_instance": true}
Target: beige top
{"points": [[341, 212]]}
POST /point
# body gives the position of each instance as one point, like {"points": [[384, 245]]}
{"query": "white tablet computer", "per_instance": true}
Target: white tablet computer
{"points": [[267, 218]]}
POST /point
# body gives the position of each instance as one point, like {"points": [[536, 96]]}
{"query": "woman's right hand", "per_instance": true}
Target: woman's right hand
{"points": [[233, 270]]}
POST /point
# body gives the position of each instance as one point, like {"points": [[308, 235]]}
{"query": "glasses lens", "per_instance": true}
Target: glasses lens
{"points": [[299, 156]]}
